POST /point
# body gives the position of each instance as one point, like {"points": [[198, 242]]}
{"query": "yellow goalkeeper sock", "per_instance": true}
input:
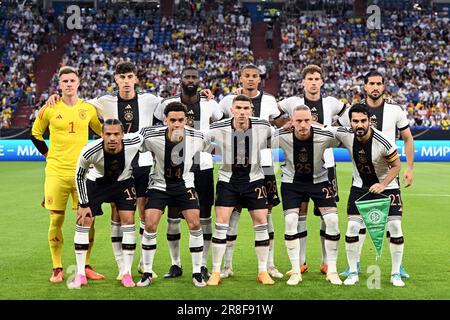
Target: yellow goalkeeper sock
{"points": [[56, 239]]}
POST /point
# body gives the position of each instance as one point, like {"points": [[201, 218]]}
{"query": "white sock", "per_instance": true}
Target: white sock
{"points": [[116, 239], [396, 243], [301, 229], [270, 261], [141, 232], [173, 240], [148, 245], [196, 248], [231, 238], [128, 246], [351, 242], [291, 239], [262, 246], [362, 238], [81, 241], [331, 239], [218, 246], [322, 240], [207, 235]]}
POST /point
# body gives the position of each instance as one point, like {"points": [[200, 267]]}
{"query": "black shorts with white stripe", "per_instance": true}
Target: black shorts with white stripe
{"points": [[395, 209], [252, 196], [122, 193], [293, 194], [140, 175], [182, 200]]}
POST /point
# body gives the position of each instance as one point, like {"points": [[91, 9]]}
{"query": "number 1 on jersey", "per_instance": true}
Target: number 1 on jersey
{"points": [[71, 127]]}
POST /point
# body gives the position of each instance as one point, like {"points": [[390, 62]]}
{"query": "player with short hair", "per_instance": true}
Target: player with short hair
{"points": [[68, 123], [376, 165], [305, 176], [241, 181], [389, 117], [172, 184], [264, 107], [135, 111], [201, 112], [104, 175], [324, 110]]}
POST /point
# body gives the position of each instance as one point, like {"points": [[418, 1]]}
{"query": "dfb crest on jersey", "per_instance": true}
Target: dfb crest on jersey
{"points": [[373, 121], [190, 119], [314, 113], [128, 115], [303, 155], [82, 114], [362, 158]]}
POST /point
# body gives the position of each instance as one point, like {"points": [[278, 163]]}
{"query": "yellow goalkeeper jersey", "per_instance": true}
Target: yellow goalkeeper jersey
{"points": [[69, 132]]}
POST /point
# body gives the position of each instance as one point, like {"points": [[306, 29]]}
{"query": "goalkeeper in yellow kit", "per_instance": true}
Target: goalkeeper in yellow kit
{"points": [[68, 123]]}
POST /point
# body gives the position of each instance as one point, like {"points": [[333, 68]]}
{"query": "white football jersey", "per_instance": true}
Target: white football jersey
{"points": [[101, 166], [323, 111], [387, 118], [241, 156], [371, 159], [200, 115], [173, 162], [135, 114], [264, 107], [304, 159]]}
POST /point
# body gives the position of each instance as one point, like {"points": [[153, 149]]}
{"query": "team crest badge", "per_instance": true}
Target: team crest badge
{"points": [[373, 121], [82, 114], [128, 115], [362, 158], [49, 200], [315, 116], [303, 155]]}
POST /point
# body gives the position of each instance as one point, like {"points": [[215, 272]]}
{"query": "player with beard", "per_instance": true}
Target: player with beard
{"points": [[324, 111], [264, 107], [376, 165], [201, 112], [390, 118]]}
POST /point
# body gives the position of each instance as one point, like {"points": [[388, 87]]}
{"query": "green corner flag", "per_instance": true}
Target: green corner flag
{"points": [[375, 213]]}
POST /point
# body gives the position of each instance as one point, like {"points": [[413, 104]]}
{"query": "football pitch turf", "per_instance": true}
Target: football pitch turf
{"points": [[25, 263]]}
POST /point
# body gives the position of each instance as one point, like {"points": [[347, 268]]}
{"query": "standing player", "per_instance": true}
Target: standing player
{"points": [[104, 175], [68, 123], [172, 184], [241, 181], [305, 176], [375, 168], [135, 111], [264, 107], [201, 112], [388, 117], [324, 111]]}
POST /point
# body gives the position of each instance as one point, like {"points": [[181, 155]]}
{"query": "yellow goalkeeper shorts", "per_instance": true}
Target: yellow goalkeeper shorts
{"points": [[57, 190]]}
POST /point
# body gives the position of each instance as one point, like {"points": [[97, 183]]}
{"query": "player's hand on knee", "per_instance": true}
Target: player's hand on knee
{"points": [[377, 188], [288, 125], [83, 213]]}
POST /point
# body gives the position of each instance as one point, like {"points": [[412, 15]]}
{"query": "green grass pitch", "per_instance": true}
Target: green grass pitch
{"points": [[25, 263]]}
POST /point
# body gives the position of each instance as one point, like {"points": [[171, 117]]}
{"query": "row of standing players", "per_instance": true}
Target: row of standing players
{"points": [[140, 110]]}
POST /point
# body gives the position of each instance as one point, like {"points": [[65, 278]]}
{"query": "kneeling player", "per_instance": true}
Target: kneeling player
{"points": [[109, 180]]}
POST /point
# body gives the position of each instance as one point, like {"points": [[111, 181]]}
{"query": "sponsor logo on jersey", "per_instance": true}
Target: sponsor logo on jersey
{"points": [[373, 121], [59, 116]]}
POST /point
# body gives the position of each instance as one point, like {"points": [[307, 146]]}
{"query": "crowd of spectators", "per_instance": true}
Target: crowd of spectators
{"points": [[211, 36], [411, 49], [23, 28]]}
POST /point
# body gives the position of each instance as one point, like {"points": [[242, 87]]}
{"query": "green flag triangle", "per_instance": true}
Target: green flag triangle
{"points": [[375, 213]]}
